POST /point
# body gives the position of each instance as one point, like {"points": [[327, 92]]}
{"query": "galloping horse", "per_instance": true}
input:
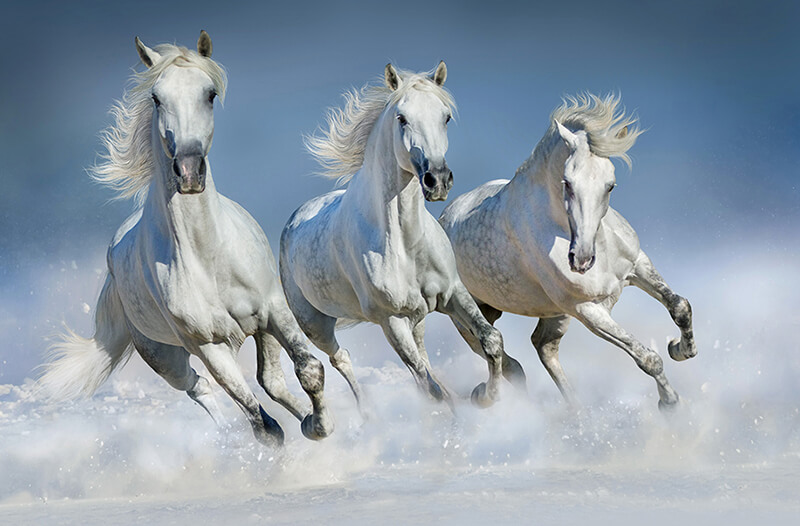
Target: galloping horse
{"points": [[190, 272], [372, 252], [547, 244]]}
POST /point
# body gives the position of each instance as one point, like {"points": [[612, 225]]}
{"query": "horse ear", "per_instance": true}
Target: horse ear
{"points": [[204, 46], [622, 133], [570, 139], [440, 75], [148, 56], [391, 77]]}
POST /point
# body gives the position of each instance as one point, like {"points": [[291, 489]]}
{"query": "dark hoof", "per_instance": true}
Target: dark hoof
{"points": [[678, 354], [312, 428], [515, 374], [480, 397], [271, 433]]}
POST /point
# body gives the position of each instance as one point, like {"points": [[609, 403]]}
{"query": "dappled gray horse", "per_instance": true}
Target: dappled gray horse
{"points": [[190, 272], [372, 252], [547, 244]]}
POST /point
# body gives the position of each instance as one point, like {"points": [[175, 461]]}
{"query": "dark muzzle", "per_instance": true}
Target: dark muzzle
{"points": [[190, 169]]}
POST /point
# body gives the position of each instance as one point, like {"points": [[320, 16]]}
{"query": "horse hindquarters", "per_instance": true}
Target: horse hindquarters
{"points": [[77, 366]]}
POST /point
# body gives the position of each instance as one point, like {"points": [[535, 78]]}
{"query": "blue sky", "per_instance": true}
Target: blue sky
{"points": [[715, 83]]}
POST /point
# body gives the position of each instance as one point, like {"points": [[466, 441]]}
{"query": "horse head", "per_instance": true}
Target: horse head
{"points": [[587, 184], [183, 102], [420, 131]]}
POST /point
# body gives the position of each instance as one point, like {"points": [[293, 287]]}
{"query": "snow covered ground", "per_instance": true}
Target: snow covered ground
{"points": [[139, 451]]}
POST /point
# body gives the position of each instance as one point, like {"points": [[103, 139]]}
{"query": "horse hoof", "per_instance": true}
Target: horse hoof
{"points": [[668, 408], [678, 353], [480, 397], [270, 433], [313, 429]]}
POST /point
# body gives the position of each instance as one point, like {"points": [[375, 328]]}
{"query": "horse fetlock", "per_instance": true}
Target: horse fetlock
{"points": [[682, 313], [492, 343], [311, 375]]}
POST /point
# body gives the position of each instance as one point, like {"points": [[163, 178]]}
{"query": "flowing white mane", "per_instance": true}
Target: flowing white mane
{"points": [[340, 149], [601, 118], [130, 163]]}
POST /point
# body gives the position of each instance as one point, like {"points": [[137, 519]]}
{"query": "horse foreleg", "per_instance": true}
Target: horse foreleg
{"points": [[545, 339], [220, 361], [401, 337], [646, 277], [320, 329], [270, 375], [512, 369], [463, 310], [309, 371], [597, 319]]}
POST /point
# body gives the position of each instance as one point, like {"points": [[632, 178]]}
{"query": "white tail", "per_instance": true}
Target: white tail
{"points": [[77, 366]]}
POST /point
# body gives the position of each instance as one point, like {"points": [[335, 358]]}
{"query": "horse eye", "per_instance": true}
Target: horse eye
{"points": [[448, 119], [402, 119], [567, 186], [612, 187], [156, 101], [211, 97]]}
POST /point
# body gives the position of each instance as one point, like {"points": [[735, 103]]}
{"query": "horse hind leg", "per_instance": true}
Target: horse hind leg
{"points": [[172, 364], [309, 371], [545, 339], [220, 360], [647, 278], [320, 329], [512, 369]]}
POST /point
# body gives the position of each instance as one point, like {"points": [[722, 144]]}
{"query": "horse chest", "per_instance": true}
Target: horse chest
{"points": [[397, 285]]}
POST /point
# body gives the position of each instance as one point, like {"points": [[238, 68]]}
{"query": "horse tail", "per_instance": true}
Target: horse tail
{"points": [[77, 366]]}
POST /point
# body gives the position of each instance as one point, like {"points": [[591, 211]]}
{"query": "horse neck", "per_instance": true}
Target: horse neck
{"points": [[187, 221], [538, 183], [389, 197]]}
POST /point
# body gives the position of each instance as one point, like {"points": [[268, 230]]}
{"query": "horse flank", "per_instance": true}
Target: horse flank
{"points": [[602, 118], [129, 164], [340, 149]]}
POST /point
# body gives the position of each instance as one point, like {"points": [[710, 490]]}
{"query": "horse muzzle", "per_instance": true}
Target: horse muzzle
{"points": [[436, 184], [581, 261], [190, 171]]}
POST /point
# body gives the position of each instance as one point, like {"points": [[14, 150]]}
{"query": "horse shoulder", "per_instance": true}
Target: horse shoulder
{"points": [[621, 235]]}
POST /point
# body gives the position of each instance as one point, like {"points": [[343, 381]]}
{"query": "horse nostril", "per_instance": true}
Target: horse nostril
{"points": [[175, 167], [202, 169], [428, 180], [450, 180]]}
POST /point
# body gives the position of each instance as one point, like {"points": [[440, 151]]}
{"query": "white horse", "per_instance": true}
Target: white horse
{"points": [[372, 252], [190, 272], [547, 244]]}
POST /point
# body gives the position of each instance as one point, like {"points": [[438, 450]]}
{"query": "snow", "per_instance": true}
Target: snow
{"points": [[139, 451]]}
